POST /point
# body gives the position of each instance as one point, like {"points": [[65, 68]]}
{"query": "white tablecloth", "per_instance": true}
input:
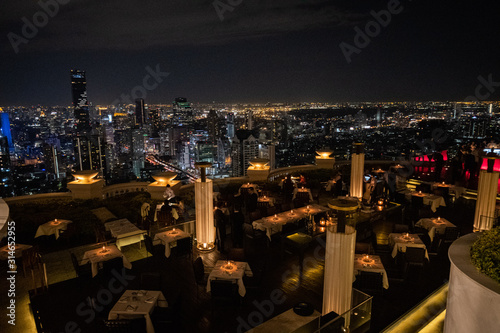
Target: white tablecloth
{"points": [[52, 228], [272, 224], [97, 256], [125, 232], [235, 273], [374, 265], [434, 201], [400, 244], [18, 251], [136, 304], [434, 225], [169, 238], [302, 190], [428, 199]]}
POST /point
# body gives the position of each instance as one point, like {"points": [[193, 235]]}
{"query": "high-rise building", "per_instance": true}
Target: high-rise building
{"points": [[230, 125], [80, 102], [249, 120], [141, 116], [5, 129], [214, 127], [182, 113], [245, 147], [6, 181]]}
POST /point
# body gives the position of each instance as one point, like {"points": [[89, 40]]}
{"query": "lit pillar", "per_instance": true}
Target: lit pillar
{"points": [[204, 205], [339, 260], [486, 197], [357, 170], [323, 160]]}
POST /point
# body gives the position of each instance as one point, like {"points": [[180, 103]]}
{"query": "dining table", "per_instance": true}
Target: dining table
{"points": [[298, 190], [169, 238], [53, 227], [138, 303], [400, 241], [101, 254], [230, 270], [265, 201], [370, 263], [18, 249], [434, 225], [432, 200], [125, 232], [274, 223], [458, 190]]}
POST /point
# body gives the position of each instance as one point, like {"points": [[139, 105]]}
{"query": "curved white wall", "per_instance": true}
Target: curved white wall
{"points": [[473, 303]]}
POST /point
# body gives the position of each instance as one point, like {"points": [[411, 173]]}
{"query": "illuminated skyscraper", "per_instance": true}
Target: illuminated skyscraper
{"points": [[5, 129], [183, 113], [80, 102]]}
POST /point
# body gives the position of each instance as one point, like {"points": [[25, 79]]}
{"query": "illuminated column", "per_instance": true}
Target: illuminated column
{"points": [[204, 205], [258, 169], [324, 161], [85, 186], [357, 170], [339, 260], [486, 197], [162, 179]]}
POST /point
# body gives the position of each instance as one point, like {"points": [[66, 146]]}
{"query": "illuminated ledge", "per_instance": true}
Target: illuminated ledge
{"points": [[423, 314]]}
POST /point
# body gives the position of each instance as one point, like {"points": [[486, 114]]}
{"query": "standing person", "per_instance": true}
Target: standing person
{"points": [[288, 188], [220, 227], [438, 165], [237, 220], [252, 200]]}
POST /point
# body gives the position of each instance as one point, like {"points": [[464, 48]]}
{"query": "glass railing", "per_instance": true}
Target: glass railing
{"points": [[357, 319]]}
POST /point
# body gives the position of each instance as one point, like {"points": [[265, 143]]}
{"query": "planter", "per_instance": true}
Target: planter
{"points": [[473, 303]]}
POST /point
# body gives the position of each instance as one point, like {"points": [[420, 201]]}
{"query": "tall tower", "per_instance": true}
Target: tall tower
{"points": [[249, 120], [140, 112], [5, 128], [80, 102], [230, 125]]}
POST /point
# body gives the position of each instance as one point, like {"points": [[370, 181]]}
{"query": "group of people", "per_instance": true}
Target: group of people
{"points": [[465, 166], [235, 218], [379, 185]]}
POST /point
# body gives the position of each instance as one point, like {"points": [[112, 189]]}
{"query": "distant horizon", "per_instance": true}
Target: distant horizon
{"points": [[263, 104]]}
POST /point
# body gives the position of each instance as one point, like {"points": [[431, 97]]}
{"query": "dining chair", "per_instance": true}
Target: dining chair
{"points": [[417, 202], [224, 292], [400, 228], [155, 250], [137, 325], [151, 281], [199, 274], [370, 282], [256, 215], [82, 271], [184, 247], [415, 256]]}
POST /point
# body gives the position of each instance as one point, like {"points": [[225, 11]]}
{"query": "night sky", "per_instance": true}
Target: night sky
{"points": [[262, 51]]}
